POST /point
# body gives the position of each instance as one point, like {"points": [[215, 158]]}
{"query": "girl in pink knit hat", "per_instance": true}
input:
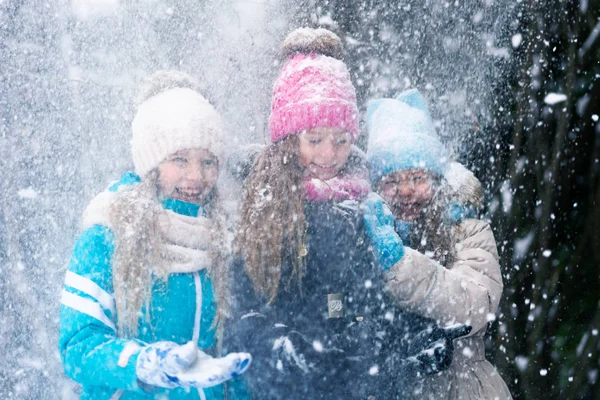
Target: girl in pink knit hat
{"points": [[310, 305], [315, 117]]}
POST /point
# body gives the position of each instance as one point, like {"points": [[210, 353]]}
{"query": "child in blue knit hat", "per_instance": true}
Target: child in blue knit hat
{"points": [[443, 263]]}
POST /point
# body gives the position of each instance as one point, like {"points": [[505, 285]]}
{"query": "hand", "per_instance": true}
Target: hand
{"points": [[432, 350], [379, 223], [169, 365]]}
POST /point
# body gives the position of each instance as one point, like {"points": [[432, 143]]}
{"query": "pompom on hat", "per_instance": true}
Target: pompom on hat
{"points": [[402, 136], [174, 119], [314, 88]]}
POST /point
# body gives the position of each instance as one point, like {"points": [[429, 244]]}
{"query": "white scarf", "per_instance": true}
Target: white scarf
{"points": [[185, 240]]}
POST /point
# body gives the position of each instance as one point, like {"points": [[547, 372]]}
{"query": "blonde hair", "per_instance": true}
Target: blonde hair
{"points": [[137, 261]]}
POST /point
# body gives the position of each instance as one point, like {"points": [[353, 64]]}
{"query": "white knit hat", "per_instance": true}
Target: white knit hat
{"points": [[174, 120]]}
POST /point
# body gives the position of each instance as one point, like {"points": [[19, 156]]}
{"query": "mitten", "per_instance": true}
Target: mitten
{"points": [[432, 350], [379, 223], [169, 365]]}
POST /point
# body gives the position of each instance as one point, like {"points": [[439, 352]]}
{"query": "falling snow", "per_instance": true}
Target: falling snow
{"points": [[513, 91]]}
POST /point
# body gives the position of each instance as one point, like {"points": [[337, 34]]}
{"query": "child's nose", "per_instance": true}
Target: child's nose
{"points": [[328, 149], [404, 189], [193, 173]]}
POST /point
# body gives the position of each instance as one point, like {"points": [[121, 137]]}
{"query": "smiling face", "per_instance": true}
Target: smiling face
{"points": [[188, 175], [407, 192], [323, 152]]}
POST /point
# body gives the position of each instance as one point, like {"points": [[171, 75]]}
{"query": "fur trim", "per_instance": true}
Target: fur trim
{"points": [[308, 40], [96, 213], [464, 187]]}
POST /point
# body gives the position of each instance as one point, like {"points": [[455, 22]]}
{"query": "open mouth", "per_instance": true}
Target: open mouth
{"points": [[324, 169], [189, 194], [408, 208]]}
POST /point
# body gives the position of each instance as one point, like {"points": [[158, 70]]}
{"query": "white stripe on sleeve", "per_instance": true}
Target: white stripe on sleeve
{"points": [[86, 306], [91, 288], [117, 395], [198, 314]]}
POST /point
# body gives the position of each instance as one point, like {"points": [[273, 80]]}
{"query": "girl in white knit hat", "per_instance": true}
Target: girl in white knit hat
{"points": [[145, 294]]}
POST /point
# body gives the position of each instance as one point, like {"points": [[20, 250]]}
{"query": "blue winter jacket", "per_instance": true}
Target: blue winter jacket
{"points": [[369, 332], [93, 354]]}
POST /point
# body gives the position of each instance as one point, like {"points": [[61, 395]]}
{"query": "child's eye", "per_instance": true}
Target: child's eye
{"points": [[314, 141], [180, 160], [341, 141], [208, 162]]}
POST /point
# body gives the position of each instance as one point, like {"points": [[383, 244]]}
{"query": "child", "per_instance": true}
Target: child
{"points": [[310, 304], [447, 269], [146, 286]]}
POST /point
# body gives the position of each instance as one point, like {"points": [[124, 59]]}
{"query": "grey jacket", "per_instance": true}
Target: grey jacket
{"points": [[467, 291]]}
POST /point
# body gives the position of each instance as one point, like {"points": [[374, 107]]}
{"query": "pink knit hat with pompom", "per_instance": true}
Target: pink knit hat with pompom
{"points": [[313, 88]]}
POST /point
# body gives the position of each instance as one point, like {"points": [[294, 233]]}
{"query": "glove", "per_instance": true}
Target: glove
{"points": [[379, 223], [432, 350], [169, 365], [294, 354]]}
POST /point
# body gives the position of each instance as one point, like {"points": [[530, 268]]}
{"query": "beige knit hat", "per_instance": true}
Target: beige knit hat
{"points": [[173, 120]]}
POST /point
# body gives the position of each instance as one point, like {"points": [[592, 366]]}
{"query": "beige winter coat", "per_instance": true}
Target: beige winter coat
{"points": [[468, 292]]}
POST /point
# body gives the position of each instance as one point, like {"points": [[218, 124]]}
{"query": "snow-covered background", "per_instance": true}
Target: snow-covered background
{"points": [[514, 87], [68, 73]]}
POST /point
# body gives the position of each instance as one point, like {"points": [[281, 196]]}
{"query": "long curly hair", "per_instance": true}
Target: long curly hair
{"points": [[137, 261], [272, 226], [272, 222]]}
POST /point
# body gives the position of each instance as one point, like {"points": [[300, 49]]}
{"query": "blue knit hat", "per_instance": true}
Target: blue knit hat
{"points": [[402, 136]]}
